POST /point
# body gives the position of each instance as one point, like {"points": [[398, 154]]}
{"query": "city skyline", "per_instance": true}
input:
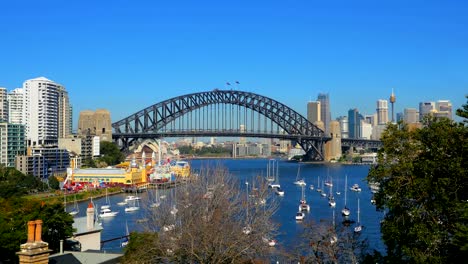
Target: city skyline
{"points": [[124, 57]]}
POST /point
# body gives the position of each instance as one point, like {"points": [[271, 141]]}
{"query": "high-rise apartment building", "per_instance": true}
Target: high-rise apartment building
{"points": [[41, 111], [15, 106], [410, 115], [382, 112], [325, 112], [65, 122], [11, 143], [314, 111], [426, 108], [3, 105], [444, 108]]}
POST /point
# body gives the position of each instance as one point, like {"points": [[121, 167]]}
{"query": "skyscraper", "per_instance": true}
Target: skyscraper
{"points": [[411, 115], [3, 105], [426, 108], [64, 113], [344, 126], [15, 106], [313, 111], [354, 121], [444, 108], [325, 112], [40, 111], [382, 112]]}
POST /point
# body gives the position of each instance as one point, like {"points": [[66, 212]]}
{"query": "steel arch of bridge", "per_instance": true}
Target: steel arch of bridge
{"points": [[149, 122]]}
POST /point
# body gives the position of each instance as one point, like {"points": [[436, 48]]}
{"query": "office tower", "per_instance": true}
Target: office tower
{"points": [[325, 112], [3, 105], [40, 111], [64, 114], [15, 106], [444, 108], [97, 123], [344, 126], [392, 101], [382, 111], [11, 143], [426, 108], [365, 130], [313, 111], [354, 121], [410, 115], [371, 119], [399, 116]]}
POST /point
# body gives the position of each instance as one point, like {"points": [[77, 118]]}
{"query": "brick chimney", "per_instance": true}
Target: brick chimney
{"points": [[34, 250]]}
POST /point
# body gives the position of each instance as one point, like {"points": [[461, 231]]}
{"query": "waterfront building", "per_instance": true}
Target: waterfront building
{"points": [[313, 111], [12, 143], [96, 123], [382, 111], [15, 106], [44, 162], [124, 176], [325, 111], [410, 115], [3, 105], [41, 111], [252, 149], [426, 108], [344, 126]]}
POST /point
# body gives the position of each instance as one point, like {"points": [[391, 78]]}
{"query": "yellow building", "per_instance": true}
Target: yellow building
{"points": [[132, 176], [181, 169]]}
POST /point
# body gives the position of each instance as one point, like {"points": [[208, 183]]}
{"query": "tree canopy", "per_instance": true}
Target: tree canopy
{"points": [[424, 190], [110, 153]]}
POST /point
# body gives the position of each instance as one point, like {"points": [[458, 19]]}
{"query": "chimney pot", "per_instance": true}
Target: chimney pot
{"points": [[38, 237], [31, 230]]}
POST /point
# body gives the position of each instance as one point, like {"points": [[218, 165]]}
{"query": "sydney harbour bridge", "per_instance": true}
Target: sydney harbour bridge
{"points": [[225, 113]]}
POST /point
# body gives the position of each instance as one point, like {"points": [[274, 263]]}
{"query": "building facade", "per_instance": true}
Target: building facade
{"points": [[3, 105], [15, 106], [410, 115], [40, 111], [44, 162], [12, 143], [444, 108], [314, 111], [95, 124], [382, 111], [65, 113], [344, 126], [354, 121], [325, 111], [426, 108]]}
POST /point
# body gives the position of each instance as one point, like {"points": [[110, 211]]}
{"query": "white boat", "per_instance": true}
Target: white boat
{"points": [[298, 181], [311, 187], [332, 203], [303, 206], [156, 202], [355, 188], [345, 211], [300, 216], [279, 191], [318, 189], [126, 237], [122, 203], [106, 205], [270, 170], [134, 205], [331, 198], [75, 209], [270, 242], [132, 198], [358, 227], [247, 229], [107, 212]]}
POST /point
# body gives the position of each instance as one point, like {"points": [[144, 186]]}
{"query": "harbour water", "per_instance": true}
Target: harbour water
{"points": [[290, 230]]}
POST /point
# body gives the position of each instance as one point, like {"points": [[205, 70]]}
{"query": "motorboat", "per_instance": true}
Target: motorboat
{"points": [[279, 191], [107, 212], [300, 216], [132, 198], [355, 188]]}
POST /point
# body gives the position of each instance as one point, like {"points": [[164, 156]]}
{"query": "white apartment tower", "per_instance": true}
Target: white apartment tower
{"points": [[382, 112], [15, 106], [41, 111], [3, 105]]}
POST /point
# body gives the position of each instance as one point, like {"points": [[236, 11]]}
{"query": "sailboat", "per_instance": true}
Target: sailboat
{"points": [[318, 185], [331, 198], [106, 205], [157, 201], [247, 229], [303, 206], [126, 237], [345, 211], [299, 181], [133, 204], [75, 209], [270, 170], [275, 171], [358, 227]]}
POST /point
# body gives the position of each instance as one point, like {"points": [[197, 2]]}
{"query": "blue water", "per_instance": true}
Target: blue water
{"points": [[289, 230]]}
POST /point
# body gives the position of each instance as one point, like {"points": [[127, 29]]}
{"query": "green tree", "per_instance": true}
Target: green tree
{"points": [[110, 153], [423, 191], [54, 183], [14, 216], [463, 112]]}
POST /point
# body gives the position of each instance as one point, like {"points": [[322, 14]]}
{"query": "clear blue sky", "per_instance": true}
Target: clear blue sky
{"points": [[127, 55]]}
